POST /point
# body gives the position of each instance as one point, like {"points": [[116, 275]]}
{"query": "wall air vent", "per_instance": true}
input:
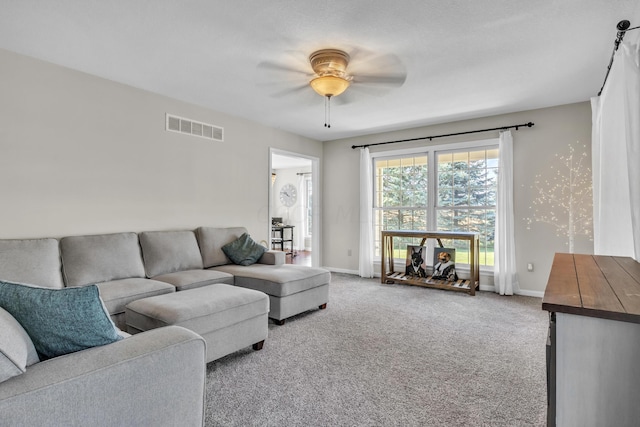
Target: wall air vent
{"points": [[192, 127]]}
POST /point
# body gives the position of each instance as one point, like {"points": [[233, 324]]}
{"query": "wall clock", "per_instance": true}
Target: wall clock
{"points": [[288, 195]]}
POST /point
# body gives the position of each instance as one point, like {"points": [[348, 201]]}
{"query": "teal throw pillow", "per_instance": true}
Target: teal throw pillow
{"points": [[59, 321], [244, 250]]}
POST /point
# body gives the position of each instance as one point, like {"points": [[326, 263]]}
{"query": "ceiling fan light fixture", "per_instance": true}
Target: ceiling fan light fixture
{"points": [[329, 61], [329, 85]]}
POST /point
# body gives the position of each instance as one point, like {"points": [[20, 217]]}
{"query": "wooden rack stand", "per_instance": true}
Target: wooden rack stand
{"points": [[389, 275], [281, 240]]}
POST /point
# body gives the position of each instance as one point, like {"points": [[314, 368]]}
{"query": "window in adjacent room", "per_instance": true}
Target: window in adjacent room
{"points": [[446, 188], [308, 185]]}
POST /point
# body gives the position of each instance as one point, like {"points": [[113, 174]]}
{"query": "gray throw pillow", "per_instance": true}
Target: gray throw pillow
{"points": [[244, 250], [16, 349], [59, 321]]}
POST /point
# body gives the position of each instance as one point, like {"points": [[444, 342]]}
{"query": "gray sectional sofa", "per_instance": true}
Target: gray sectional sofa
{"points": [[137, 274], [151, 379]]}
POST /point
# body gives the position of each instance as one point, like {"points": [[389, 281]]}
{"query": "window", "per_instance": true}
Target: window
{"points": [[308, 185], [441, 188]]}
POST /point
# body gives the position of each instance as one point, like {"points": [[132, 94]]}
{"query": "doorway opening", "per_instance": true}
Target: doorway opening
{"points": [[293, 206]]}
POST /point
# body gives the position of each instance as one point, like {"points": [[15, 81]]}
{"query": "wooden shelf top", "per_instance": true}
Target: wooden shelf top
{"points": [[592, 285], [432, 234]]}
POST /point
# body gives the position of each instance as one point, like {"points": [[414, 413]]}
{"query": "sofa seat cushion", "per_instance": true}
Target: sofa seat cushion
{"points": [[100, 258], [277, 280], [201, 310], [190, 279], [116, 294], [35, 261], [16, 348]]}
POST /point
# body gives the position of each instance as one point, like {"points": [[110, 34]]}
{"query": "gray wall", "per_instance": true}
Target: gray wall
{"points": [[84, 155], [540, 154]]}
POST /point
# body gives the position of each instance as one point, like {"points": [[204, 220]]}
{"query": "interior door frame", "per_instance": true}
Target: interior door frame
{"points": [[315, 185]]}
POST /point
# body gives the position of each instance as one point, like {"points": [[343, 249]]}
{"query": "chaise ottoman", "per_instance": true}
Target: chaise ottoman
{"points": [[229, 318]]}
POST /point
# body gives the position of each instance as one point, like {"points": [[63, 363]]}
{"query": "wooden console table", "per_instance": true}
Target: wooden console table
{"points": [[593, 374], [389, 275]]}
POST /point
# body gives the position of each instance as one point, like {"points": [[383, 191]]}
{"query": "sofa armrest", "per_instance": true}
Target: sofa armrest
{"points": [[152, 378], [273, 258]]}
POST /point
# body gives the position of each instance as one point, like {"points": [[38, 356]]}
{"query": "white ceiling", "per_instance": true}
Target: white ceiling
{"points": [[462, 59]]}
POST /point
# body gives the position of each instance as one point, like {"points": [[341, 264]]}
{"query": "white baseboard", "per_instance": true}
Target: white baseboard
{"points": [[345, 271], [526, 293]]}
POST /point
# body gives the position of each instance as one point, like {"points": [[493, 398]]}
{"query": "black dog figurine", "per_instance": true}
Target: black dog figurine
{"points": [[416, 267]]}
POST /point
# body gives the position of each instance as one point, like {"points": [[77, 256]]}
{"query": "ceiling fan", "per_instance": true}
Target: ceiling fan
{"points": [[330, 74]]}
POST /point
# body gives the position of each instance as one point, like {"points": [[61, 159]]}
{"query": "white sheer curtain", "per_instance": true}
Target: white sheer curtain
{"points": [[365, 265], [505, 277], [616, 156], [301, 211]]}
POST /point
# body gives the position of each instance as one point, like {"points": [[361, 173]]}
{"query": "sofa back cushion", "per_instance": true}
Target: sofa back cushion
{"points": [[16, 348], [211, 241], [34, 261], [166, 252], [100, 258]]}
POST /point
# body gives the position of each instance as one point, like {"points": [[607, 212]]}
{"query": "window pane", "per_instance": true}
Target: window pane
{"points": [[461, 157], [390, 220], [492, 158], [460, 196], [445, 220], [477, 159], [445, 162], [445, 196], [400, 197], [466, 199], [401, 182]]}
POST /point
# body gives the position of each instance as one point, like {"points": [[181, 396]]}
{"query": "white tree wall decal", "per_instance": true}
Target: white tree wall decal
{"points": [[563, 198]]}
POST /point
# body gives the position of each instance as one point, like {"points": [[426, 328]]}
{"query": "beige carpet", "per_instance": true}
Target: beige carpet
{"points": [[390, 355]]}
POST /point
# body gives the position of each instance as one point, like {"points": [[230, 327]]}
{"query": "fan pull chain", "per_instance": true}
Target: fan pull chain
{"points": [[327, 112]]}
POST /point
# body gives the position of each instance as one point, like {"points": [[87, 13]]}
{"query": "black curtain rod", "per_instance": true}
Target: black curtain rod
{"points": [[442, 136], [623, 27]]}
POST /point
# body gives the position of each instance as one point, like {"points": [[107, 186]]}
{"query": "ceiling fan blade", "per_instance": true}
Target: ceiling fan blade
{"points": [[381, 70], [360, 91], [363, 61], [273, 66], [393, 80], [289, 61], [344, 98], [290, 91]]}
